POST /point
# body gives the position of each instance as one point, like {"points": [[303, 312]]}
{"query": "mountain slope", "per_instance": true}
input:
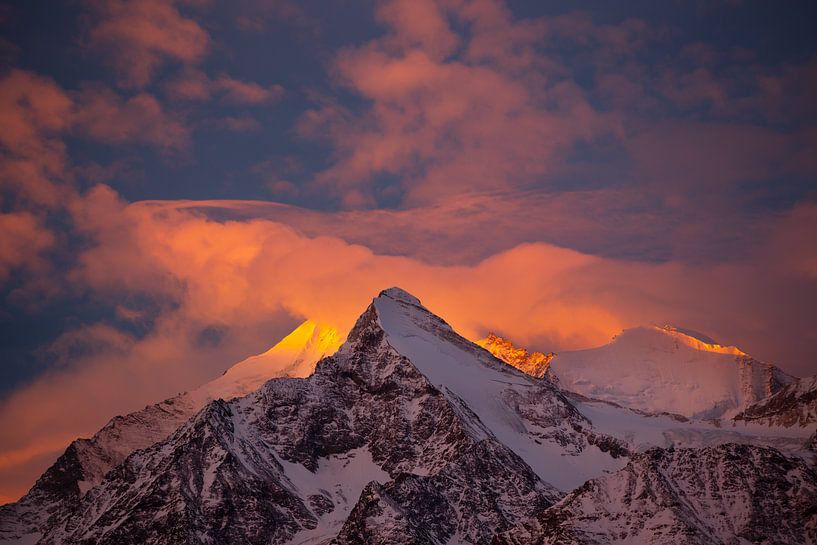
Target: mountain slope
{"points": [[662, 369], [86, 461], [793, 405], [285, 463], [730, 494], [529, 415]]}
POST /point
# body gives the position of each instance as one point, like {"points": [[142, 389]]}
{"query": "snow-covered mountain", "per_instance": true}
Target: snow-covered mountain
{"points": [[409, 433], [86, 461], [793, 405], [664, 369], [385, 442]]}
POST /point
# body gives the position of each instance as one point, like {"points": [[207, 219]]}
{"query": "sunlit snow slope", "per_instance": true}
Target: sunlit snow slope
{"points": [[294, 356], [661, 369]]}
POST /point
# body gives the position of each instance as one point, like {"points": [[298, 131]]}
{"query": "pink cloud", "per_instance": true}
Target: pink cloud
{"points": [[193, 85], [33, 112], [258, 15], [197, 86], [245, 92], [690, 157], [36, 176], [23, 241], [421, 24], [244, 123], [138, 37], [106, 116]]}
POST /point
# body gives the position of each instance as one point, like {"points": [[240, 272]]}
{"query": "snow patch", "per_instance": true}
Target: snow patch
{"points": [[341, 479]]}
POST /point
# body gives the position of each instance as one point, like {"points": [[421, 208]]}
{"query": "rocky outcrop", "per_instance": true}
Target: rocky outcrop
{"points": [[533, 363], [721, 495], [793, 405]]}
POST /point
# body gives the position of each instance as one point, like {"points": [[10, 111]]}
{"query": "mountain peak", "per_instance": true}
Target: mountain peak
{"points": [[294, 356], [664, 368], [399, 294]]}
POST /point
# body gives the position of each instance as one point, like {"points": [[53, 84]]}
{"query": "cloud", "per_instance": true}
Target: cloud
{"points": [[444, 123], [243, 92], [137, 38], [563, 182], [34, 111], [108, 117], [195, 85], [38, 181], [24, 241], [211, 291], [259, 15], [461, 97]]}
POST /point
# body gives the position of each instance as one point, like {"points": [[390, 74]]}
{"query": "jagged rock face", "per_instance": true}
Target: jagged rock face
{"points": [[793, 405], [46, 504], [725, 495], [811, 443], [448, 505], [250, 470], [533, 363]]}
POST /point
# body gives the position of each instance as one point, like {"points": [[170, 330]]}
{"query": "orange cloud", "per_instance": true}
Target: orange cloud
{"points": [[37, 179]]}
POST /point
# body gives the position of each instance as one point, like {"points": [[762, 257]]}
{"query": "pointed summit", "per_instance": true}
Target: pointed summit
{"points": [[399, 294], [408, 433], [498, 400]]}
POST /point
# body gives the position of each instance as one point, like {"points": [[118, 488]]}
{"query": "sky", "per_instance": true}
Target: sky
{"points": [[182, 182]]}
